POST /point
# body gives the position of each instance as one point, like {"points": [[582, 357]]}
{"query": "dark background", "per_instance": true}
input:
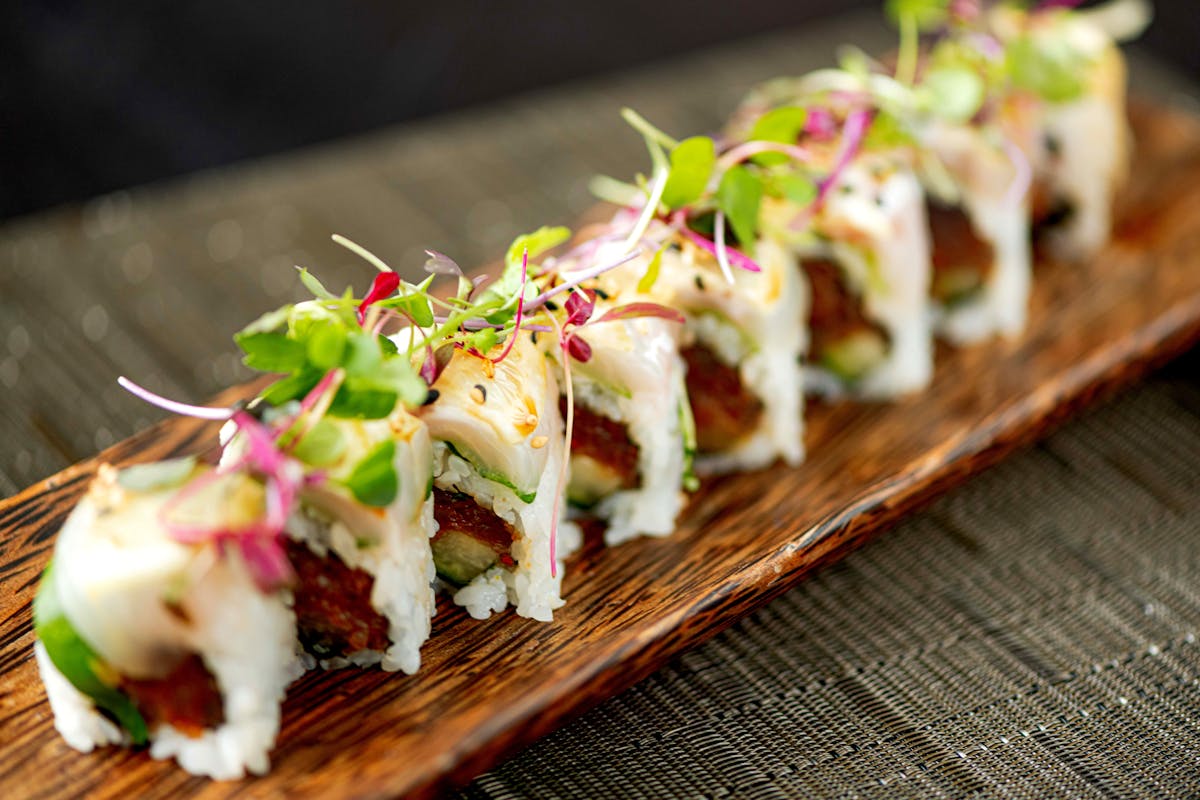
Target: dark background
{"points": [[104, 95]]}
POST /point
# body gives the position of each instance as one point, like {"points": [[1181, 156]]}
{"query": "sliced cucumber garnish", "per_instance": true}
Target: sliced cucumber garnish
{"points": [[855, 355]]}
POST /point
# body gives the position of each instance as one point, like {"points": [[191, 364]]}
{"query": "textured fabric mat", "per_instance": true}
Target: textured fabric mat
{"points": [[1032, 634]]}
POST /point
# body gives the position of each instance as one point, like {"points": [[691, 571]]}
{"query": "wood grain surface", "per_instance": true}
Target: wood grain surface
{"points": [[488, 688]]}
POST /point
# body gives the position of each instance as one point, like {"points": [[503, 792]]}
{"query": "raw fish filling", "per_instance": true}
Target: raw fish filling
{"points": [[603, 458], [843, 340], [187, 698], [724, 409], [334, 615], [470, 539], [962, 261]]}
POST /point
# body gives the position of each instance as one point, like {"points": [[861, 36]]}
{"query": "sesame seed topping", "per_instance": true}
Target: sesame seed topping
{"points": [[479, 394], [538, 442]]}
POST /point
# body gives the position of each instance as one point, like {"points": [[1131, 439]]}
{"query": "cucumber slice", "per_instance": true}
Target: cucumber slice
{"points": [[459, 557], [855, 355], [78, 662], [954, 287], [591, 481]]}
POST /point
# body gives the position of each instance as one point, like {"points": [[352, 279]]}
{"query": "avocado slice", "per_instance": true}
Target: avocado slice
{"points": [[855, 355], [79, 663]]}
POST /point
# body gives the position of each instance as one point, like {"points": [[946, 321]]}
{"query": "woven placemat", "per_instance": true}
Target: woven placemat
{"points": [[1032, 634]]}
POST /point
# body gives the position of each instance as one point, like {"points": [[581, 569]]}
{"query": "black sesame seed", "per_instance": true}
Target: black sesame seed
{"points": [[700, 283], [431, 397], [879, 200], [551, 306], [603, 295], [533, 337], [482, 391], [1053, 146], [675, 247]]}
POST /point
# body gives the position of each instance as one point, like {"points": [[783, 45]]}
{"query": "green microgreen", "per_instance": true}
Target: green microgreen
{"points": [[374, 480]]}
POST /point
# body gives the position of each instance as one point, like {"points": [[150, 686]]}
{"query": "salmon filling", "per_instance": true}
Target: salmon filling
{"points": [[723, 408], [334, 615], [470, 539], [187, 698], [962, 261]]}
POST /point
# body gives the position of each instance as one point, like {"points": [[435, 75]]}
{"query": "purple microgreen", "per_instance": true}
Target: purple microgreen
{"points": [[175, 407], [736, 258], [748, 150], [441, 264], [1023, 174], [821, 124], [640, 309], [508, 346], [384, 285], [578, 349], [580, 305], [853, 132], [582, 277]]}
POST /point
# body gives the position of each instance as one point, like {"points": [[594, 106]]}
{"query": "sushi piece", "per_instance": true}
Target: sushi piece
{"points": [[1068, 65], [979, 229], [864, 255], [363, 588], [632, 438], [358, 538], [741, 343], [143, 637], [498, 454]]}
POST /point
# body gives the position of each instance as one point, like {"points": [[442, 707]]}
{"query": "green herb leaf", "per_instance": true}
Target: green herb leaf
{"points": [[363, 354], [315, 286], [485, 339], [292, 387], [374, 481], [271, 352], [646, 282], [325, 346], [927, 14], [692, 162], [781, 125], [322, 446], [955, 93], [543, 239], [269, 321], [886, 132], [357, 400], [1048, 67], [414, 305], [797, 188], [158, 475], [739, 196]]}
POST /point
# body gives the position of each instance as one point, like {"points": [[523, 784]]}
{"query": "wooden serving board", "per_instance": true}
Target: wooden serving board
{"points": [[488, 688]]}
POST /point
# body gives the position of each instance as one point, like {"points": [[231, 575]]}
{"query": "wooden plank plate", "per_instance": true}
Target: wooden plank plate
{"points": [[488, 688]]}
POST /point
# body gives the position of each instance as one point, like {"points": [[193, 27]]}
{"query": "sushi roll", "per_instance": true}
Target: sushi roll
{"points": [[1069, 67], [145, 638], [632, 437], [498, 454]]}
